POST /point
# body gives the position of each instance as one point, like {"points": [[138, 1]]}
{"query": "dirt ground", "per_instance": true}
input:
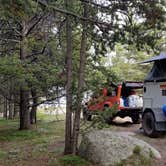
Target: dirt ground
{"points": [[158, 143]]}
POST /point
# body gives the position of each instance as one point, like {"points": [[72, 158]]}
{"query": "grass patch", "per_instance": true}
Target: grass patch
{"points": [[16, 135], [53, 163], [42, 144], [3, 155], [151, 154], [54, 128], [46, 126], [49, 117], [8, 122], [137, 149], [71, 160], [5, 124], [137, 159]]}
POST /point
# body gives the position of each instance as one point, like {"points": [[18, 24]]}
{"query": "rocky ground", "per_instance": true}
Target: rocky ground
{"points": [[158, 143]]}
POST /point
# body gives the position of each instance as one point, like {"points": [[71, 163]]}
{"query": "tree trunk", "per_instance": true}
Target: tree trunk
{"points": [[34, 107], [5, 109], [76, 126], [16, 111], [16, 107], [68, 125], [24, 93], [10, 110], [11, 107], [24, 111], [1, 105]]}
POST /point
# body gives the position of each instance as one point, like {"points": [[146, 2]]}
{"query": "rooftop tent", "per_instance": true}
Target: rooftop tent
{"points": [[160, 57], [158, 71]]}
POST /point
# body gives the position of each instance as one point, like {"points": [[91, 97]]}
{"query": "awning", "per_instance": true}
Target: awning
{"points": [[162, 56]]}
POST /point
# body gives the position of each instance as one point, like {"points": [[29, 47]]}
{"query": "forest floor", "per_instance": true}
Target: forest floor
{"points": [[37, 147], [44, 144]]}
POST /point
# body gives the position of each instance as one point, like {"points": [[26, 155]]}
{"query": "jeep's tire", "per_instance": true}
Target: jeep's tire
{"points": [[148, 124], [135, 119], [87, 116]]}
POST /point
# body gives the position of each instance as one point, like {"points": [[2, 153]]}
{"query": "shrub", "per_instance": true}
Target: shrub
{"points": [[137, 149]]}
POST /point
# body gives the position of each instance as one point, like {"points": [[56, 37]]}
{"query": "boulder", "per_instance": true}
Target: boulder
{"points": [[106, 148]]}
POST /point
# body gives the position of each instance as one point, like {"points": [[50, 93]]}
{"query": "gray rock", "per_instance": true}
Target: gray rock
{"points": [[109, 148]]}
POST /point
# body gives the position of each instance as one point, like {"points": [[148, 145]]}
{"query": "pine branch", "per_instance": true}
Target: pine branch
{"points": [[63, 11]]}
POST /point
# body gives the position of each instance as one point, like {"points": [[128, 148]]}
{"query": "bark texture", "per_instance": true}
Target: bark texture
{"points": [[34, 107], [76, 126], [24, 93], [68, 125]]}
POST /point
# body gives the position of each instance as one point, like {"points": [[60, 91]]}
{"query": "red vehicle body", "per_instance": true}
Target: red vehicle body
{"points": [[109, 98]]}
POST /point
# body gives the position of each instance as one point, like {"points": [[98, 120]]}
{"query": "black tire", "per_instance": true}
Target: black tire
{"points": [[108, 120], [87, 116], [148, 124], [135, 118]]}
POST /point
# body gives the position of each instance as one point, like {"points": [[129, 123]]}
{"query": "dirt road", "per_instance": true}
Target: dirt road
{"points": [[158, 143]]}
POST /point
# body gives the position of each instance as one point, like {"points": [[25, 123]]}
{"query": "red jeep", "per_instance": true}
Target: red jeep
{"points": [[116, 94]]}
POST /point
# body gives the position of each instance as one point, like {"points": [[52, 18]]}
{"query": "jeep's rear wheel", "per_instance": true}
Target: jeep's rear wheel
{"points": [[135, 118], [148, 124], [87, 115]]}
